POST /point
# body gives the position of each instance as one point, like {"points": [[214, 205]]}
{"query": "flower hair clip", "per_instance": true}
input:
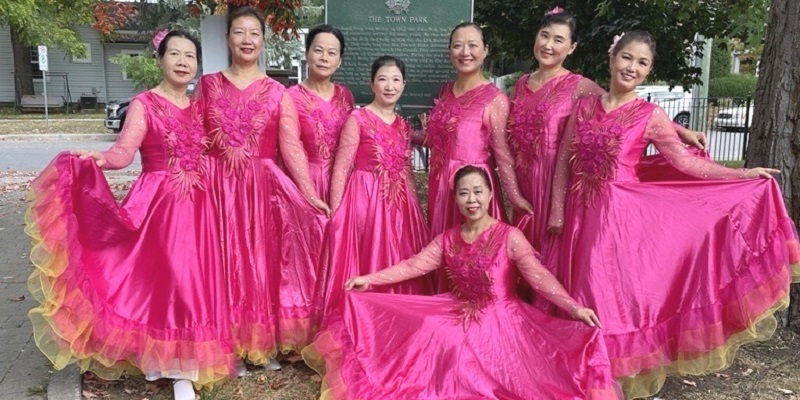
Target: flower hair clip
{"points": [[159, 37], [614, 43], [555, 10]]}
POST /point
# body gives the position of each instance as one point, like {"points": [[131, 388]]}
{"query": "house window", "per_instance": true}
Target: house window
{"points": [[84, 60], [131, 53], [35, 63]]}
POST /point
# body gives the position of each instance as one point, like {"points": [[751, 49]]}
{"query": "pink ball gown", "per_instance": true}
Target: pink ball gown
{"points": [[377, 220], [271, 234], [469, 129], [536, 125], [138, 285], [681, 273], [478, 342], [321, 123]]}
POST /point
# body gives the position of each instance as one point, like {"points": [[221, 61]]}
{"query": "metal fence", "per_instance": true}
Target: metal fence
{"points": [[726, 122]]}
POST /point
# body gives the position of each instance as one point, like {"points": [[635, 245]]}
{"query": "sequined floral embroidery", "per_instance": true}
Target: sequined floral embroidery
{"points": [[328, 125], [596, 148], [469, 267], [238, 118], [392, 152], [528, 133], [186, 146], [442, 125]]}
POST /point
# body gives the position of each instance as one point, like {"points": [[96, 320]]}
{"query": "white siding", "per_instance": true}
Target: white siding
{"points": [[81, 77], [118, 88], [6, 67]]}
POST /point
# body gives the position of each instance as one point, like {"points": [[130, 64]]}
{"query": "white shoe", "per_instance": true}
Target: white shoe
{"points": [[183, 389], [241, 368], [273, 365]]}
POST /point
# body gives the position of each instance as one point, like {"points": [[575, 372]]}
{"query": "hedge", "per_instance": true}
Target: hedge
{"points": [[736, 85]]}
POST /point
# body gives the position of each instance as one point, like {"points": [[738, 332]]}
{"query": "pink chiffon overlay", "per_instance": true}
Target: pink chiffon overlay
{"points": [[138, 285], [681, 273], [377, 221], [478, 342], [469, 129], [270, 233], [321, 123]]}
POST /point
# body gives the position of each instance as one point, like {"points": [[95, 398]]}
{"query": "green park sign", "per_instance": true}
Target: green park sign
{"points": [[415, 31]]}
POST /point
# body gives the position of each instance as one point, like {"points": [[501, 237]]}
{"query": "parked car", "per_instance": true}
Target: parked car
{"points": [[733, 118], [676, 103], [116, 110]]}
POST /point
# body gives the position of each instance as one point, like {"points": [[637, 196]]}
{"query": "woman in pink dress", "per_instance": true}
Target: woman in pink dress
{"points": [[541, 104], [681, 273], [479, 341], [271, 225], [467, 126], [322, 105], [377, 220], [136, 286]]}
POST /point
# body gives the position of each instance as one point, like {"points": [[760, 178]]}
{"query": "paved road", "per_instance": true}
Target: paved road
{"points": [[34, 155]]}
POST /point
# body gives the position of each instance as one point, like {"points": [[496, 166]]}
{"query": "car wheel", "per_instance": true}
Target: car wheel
{"points": [[683, 119]]}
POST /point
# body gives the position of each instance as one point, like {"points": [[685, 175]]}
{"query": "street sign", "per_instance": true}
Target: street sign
{"points": [[43, 59]]}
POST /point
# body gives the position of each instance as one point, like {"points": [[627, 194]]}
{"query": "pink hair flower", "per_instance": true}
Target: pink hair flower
{"points": [[159, 37], [555, 10], [614, 43]]}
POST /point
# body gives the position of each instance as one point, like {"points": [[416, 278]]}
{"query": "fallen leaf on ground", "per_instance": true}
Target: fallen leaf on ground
{"points": [[8, 277], [18, 298], [277, 384], [89, 395], [152, 388], [690, 383], [748, 372], [723, 376], [785, 391], [295, 358]]}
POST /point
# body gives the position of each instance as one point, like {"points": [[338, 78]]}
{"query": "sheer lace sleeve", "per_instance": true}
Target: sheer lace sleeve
{"points": [[522, 254], [294, 155], [663, 135], [345, 157], [496, 117], [120, 155], [561, 175], [427, 260], [587, 87]]}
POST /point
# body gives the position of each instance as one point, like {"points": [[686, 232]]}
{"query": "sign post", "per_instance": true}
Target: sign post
{"points": [[44, 67], [415, 31]]}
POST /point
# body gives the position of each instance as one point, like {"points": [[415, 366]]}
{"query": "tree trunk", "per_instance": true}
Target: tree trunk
{"points": [[775, 137], [23, 80]]}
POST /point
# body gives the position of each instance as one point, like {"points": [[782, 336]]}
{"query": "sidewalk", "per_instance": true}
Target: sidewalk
{"points": [[23, 368]]}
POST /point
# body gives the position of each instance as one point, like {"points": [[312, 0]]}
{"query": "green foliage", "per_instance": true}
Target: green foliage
{"points": [[734, 85], [511, 25], [720, 61], [143, 70], [52, 23], [311, 13], [510, 81]]}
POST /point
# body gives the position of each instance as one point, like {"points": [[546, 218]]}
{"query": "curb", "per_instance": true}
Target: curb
{"points": [[65, 384], [60, 137]]}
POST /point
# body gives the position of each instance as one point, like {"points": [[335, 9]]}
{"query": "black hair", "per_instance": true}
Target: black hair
{"points": [[240, 12], [383, 61], [466, 25], [562, 17], [471, 169], [635, 36], [162, 47], [325, 28]]}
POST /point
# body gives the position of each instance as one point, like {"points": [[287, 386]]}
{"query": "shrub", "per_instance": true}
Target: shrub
{"points": [[142, 70], [736, 85]]}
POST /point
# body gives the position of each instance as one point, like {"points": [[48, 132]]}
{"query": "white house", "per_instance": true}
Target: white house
{"points": [[72, 77]]}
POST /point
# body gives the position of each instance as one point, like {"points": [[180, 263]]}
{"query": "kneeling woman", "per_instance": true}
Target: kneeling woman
{"points": [[481, 340]]}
